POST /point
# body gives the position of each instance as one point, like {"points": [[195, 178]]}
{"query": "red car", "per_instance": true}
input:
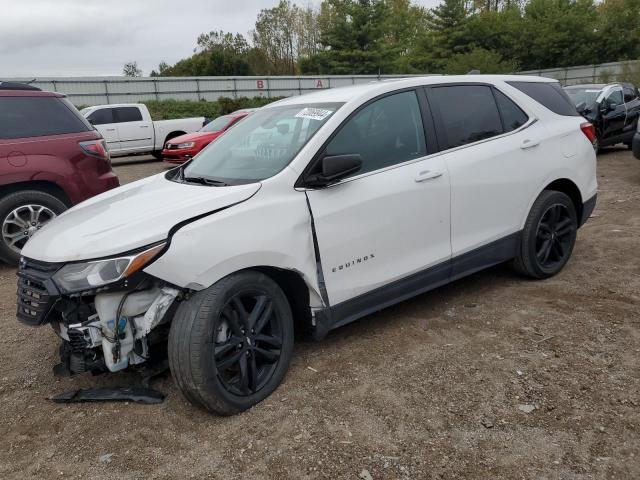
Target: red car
{"points": [[185, 147], [50, 159]]}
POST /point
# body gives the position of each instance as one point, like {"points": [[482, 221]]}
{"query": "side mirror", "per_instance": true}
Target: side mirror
{"points": [[582, 108], [334, 168]]}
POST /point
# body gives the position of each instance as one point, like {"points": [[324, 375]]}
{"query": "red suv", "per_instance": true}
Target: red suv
{"points": [[50, 159]]}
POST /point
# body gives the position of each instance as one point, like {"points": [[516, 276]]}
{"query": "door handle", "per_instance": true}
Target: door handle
{"points": [[428, 175], [527, 143], [144, 126], [111, 129]]}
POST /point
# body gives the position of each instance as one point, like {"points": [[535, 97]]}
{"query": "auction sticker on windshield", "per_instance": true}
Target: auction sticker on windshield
{"points": [[313, 113]]}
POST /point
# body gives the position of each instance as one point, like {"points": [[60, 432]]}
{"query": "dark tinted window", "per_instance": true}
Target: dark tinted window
{"points": [[128, 114], [549, 94], [102, 116], [512, 115], [386, 132], [629, 94], [22, 117], [468, 112], [614, 98]]}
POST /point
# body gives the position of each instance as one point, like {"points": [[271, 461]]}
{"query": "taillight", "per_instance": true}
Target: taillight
{"points": [[96, 148], [589, 130]]}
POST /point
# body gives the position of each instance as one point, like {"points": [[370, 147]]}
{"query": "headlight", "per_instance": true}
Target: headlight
{"points": [[186, 145], [76, 277]]}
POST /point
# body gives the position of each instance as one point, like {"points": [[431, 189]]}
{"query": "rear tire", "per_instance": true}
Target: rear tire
{"points": [[21, 215], [548, 237], [157, 154], [230, 345]]}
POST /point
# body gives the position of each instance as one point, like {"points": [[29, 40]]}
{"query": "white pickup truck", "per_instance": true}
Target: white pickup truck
{"points": [[128, 128]]}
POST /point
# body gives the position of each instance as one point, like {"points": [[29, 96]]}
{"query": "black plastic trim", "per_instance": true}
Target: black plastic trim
{"points": [[587, 209], [446, 272]]}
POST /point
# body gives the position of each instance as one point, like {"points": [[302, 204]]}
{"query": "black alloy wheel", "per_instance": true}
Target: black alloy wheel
{"points": [[248, 342], [548, 236], [555, 236], [231, 344]]}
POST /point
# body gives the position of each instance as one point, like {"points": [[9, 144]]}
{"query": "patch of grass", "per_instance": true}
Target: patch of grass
{"points": [[169, 109]]}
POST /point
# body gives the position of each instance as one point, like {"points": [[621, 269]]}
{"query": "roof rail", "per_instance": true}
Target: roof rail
{"points": [[17, 86]]}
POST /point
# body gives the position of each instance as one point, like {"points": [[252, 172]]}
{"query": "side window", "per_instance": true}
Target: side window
{"points": [[614, 98], [101, 117], [128, 114], [387, 132], [629, 94], [512, 115], [469, 113], [22, 117]]}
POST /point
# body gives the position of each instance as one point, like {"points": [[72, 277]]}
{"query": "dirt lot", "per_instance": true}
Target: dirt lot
{"points": [[432, 388]]}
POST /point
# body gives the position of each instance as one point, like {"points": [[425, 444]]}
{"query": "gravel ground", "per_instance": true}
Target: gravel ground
{"points": [[491, 377]]}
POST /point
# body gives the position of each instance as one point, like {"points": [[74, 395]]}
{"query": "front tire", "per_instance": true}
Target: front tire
{"points": [[548, 237], [22, 214], [231, 344]]}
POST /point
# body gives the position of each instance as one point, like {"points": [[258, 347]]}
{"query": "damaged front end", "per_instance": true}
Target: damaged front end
{"points": [[108, 313]]}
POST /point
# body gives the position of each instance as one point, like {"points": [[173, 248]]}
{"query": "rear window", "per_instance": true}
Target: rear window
{"points": [[550, 95], [128, 114], [22, 117]]}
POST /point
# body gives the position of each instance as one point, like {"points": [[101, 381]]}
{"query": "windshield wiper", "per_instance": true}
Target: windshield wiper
{"points": [[205, 181]]}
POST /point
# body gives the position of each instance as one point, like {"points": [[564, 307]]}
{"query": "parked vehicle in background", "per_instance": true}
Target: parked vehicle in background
{"points": [[636, 143], [51, 159], [312, 212], [613, 109], [185, 147], [128, 128]]}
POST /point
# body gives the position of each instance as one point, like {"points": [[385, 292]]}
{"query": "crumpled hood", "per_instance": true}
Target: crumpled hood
{"points": [[195, 137], [128, 217]]}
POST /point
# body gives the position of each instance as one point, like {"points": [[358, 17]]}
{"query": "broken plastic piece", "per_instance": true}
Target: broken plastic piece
{"points": [[147, 396]]}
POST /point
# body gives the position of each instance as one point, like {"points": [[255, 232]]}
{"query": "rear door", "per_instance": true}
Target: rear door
{"points": [[489, 144], [391, 219], [135, 133], [104, 121]]}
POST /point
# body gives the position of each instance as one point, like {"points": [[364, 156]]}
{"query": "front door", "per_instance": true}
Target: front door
{"points": [[135, 133], [391, 219], [614, 114]]}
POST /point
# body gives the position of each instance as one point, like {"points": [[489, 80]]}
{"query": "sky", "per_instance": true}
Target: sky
{"points": [[41, 38]]}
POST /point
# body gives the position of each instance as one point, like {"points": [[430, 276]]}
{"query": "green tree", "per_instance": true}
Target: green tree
{"points": [[557, 33], [131, 69], [486, 61], [618, 30], [352, 35], [217, 53]]}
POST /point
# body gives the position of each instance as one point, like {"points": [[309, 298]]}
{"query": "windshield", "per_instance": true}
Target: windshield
{"points": [[586, 95], [261, 145], [217, 124]]}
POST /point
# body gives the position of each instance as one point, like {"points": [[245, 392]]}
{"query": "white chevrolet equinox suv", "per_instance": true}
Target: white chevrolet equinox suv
{"points": [[311, 213]]}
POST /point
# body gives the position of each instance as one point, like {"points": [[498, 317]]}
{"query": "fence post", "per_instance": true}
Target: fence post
{"points": [[235, 87], [155, 89], [106, 91], [198, 89], [299, 85], [268, 88]]}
